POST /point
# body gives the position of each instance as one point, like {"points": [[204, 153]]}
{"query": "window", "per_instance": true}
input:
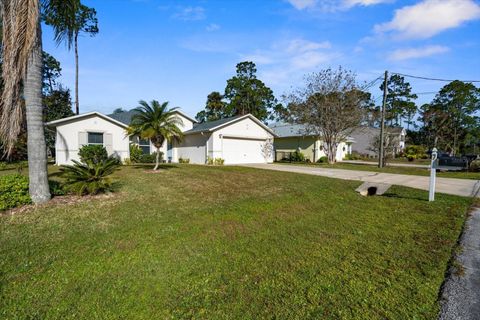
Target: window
{"points": [[144, 145], [95, 138]]}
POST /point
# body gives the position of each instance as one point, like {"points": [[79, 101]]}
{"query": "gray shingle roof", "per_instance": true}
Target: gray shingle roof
{"points": [[124, 117], [289, 130], [205, 126]]}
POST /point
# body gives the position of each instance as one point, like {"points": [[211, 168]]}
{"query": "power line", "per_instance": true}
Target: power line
{"points": [[372, 83], [432, 79]]}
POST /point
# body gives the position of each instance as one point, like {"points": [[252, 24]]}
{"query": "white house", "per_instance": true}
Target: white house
{"points": [[237, 140]]}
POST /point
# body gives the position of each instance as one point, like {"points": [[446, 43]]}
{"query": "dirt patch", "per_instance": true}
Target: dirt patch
{"points": [[56, 201]]}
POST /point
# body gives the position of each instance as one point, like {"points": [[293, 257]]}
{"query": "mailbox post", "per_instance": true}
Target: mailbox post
{"points": [[433, 175]]}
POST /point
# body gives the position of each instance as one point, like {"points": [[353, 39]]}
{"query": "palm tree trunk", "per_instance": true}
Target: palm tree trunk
{"points": [[37, 149], [77, 103], [157, 160]]}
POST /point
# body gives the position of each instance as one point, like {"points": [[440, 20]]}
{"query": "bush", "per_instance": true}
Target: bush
{"points": [[183, 160], [150, 158], [413, 152], [474, 166], [13, 191], [297, 156], [93, 153], [135, 153], [89, 178], [215, 161], [56, 188], [323, 159]]}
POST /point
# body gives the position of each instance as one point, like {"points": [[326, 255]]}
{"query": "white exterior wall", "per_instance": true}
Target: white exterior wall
{"points": [[252, 142], [67, 141], [341, 154], [193, 147]]}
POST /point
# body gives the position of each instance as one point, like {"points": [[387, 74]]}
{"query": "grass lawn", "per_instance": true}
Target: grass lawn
{"points": [[229, 243], [391, 169]]}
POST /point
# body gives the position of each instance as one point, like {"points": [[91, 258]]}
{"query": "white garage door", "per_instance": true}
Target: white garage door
{"points": [[237, 151]]}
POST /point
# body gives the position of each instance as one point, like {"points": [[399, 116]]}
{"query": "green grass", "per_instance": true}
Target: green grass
{"points": [[391, 169], [229, 243]]}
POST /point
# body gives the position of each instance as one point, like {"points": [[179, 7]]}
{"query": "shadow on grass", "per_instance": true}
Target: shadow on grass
{"points": [[400, 196], [150, 166]]}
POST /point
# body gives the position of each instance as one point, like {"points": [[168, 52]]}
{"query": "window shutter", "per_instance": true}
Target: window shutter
{"points": [[108, 143], [82, 139]]}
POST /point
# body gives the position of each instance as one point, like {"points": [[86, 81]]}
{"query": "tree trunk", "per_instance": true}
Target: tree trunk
{"points": [[77, 103], [37, 148], [157, 160], [331, 152]]}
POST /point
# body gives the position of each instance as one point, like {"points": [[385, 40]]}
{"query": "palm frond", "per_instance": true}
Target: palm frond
{"points": [[21, 33]]}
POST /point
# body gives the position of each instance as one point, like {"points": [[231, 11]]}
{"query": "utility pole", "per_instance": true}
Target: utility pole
{"points": [[382, 123]]}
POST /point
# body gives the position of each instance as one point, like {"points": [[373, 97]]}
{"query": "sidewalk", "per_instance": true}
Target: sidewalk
{"points": [[459, 187], [390, 164]]}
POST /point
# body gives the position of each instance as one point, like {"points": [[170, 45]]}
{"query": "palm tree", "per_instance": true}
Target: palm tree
{"points": [[22, 69], [69, 18], [157, 123]]}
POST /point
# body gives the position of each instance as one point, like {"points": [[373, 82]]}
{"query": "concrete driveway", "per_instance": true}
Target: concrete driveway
{"points": [[459, 187]]}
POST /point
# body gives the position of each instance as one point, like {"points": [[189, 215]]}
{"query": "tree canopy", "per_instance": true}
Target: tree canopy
{"points": [[244, 93]]}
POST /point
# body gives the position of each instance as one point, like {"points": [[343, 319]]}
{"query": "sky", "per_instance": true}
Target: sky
{"points": [[180, 51]]}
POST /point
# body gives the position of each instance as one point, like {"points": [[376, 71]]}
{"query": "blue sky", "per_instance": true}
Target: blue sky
{"points": [[180, 51]]}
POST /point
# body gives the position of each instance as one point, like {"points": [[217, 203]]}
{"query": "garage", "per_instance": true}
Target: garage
{"points": [[243, 150], [237, 140]]}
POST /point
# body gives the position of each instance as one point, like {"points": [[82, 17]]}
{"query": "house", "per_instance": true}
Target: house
{"points": [[237, 140], [295, 137], [366, 136]]}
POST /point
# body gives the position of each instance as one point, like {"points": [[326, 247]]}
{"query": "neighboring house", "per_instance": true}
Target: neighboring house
{"points": [[241, 139], [365, 138], [291, 138]]}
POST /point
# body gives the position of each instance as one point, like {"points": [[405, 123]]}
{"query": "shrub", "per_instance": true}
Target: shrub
{"points": [[93, 153], [149, 158], [13, 191], [3, 165], [297, 156], [56, 188], [135, 153], [474, 166], [219, 161], [210, 161], [323, 159], [89, 178], [183, 160], [413, 152]]}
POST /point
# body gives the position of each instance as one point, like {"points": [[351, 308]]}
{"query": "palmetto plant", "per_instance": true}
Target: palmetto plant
{"points": [[156, 123], [90, 177]]}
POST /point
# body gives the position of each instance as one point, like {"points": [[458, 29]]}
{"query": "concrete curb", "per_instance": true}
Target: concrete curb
{"points": [[460, 295]]}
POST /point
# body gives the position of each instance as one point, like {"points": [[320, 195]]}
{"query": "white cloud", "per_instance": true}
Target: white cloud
{"points": [[302, 4], [291, 58], [212, 27], [365, 3], [190, 14], [430, 17], [414, 53], [333, 5]]}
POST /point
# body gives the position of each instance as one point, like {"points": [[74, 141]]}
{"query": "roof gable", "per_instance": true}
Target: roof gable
{"points": [[74, 118], [211, 126]]}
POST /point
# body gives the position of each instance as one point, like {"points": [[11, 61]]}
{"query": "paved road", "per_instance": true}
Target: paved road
{"points": [[459, 187], [461, 291]]}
